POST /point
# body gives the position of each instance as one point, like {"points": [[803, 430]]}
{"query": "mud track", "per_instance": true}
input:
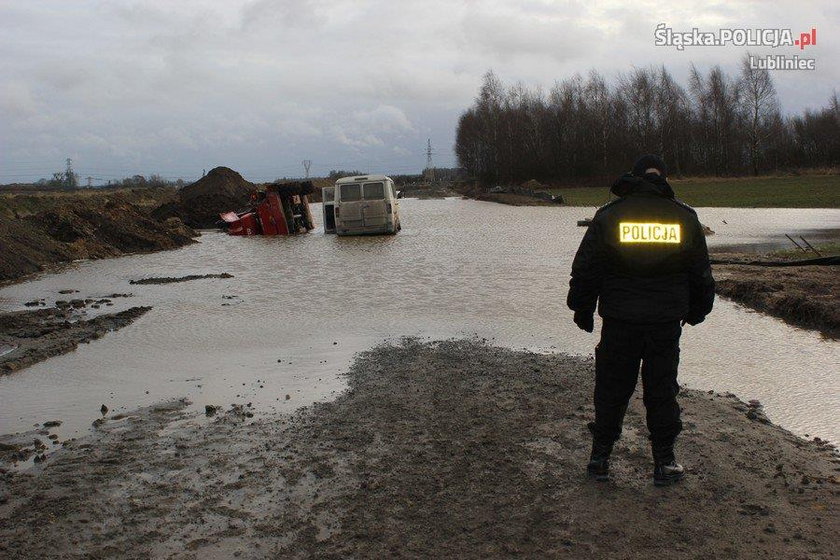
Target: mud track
{"points": [[444, 450], [33, 336], [175, 279]]}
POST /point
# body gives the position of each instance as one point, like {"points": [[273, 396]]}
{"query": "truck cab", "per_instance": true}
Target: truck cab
{"points": [[366, 204]]}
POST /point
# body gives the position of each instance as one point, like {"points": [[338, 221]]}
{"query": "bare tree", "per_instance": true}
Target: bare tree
{"points": [[759, 105], [586, 128], [639, 91]]}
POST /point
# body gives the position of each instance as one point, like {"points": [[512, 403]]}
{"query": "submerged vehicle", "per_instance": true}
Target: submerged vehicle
{"points": [[366, 204], [276, 209], [328, 196]]}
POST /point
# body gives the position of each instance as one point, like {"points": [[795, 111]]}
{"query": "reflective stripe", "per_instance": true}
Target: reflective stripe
{"points": [[635, 232]]}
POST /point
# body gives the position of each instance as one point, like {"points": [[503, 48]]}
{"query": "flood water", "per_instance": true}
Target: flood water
{"points": [[299, 308]]}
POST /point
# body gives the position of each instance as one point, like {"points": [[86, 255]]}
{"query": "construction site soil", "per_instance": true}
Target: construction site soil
{"points": [[198, 205], [452, 449], [39, 230]]}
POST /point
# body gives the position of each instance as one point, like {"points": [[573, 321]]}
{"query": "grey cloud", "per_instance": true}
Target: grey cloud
{"points": [[510, 34], [173, 87], [16, 100], [298, 13]]}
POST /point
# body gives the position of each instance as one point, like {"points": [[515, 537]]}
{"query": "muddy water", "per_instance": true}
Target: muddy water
{"points": [[299, 308]]}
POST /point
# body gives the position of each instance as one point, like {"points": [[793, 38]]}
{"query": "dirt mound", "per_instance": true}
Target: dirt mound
{"points": [[198, 205], [221, 181], [83, 228]]}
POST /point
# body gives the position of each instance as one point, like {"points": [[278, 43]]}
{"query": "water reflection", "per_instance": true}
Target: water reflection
{"points": [[300, 307]]}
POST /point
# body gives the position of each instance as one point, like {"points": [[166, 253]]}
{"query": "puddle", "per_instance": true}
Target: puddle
{"points": [[299, 308]]}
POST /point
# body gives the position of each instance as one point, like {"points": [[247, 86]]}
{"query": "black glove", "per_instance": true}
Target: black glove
{"points": [[585, 321], [693, 319]]}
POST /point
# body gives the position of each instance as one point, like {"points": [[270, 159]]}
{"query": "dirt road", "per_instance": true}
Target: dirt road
{"points": [[453, 449]]}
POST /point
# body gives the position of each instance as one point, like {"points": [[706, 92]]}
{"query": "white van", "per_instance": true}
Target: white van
{"points": [[328, 196], [366, 204]]}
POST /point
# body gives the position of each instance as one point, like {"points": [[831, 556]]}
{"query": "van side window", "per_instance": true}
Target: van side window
{"points": [[329, 195], [374, 191], [350, 193]]}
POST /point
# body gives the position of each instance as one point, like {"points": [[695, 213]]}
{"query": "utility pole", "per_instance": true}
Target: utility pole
{"points": [[69, 176], [307, 163], [430, 167]]}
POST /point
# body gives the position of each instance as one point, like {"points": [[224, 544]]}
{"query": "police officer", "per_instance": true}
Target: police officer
{"points": [[644, 260]]}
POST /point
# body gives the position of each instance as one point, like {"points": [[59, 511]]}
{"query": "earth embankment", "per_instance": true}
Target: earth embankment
{"points": [[807, 296], [37, 231]]}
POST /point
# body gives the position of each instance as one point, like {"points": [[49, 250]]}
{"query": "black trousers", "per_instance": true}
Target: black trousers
{"points": [[622, 348]]}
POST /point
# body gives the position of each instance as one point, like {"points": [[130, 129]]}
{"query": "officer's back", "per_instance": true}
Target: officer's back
{"points": [[644, 260], [650, 240]]}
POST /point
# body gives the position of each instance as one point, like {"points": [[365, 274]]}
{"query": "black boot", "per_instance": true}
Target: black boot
{"points": [[599, 461], [666, 470], [665, 474]]}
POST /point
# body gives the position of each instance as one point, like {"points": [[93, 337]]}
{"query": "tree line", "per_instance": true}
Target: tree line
{"points": [[588, 127], [70, 180]]}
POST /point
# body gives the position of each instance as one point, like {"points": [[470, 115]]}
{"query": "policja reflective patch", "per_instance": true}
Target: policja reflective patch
{"points": [[633, 232]]}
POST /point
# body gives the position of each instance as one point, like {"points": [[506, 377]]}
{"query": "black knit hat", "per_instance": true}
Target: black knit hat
{"points": [[646, 162]]}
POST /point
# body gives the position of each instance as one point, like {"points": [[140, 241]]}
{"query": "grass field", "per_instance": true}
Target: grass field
{"points": [[805, 191]]}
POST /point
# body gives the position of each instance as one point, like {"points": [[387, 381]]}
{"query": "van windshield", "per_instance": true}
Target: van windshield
{"points": [[351, 192], [374, 191]]}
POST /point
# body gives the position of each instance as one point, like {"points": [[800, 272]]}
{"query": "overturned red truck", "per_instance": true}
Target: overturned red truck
{"points": [[276, 209]]}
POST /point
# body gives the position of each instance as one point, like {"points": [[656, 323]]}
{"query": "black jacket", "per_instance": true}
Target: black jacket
{"points": [[645, 257]]}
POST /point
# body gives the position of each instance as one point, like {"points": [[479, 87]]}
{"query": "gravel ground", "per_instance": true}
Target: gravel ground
{"points": [[452, 449]]}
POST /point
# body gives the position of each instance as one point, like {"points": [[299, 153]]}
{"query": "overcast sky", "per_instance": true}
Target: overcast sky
{"points": [[174, 87]]}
